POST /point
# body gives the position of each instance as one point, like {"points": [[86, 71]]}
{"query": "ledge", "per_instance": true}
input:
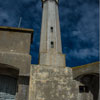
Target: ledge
{"points": [[87, 65], [16, 29]]}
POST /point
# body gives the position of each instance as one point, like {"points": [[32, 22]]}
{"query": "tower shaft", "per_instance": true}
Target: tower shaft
{"points": [[50, 31], [50, 43]]}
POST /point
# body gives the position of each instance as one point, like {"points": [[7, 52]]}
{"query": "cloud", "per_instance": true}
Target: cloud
{"points": [[84, 53], [80, 31], [78, 21], [27, 9]]}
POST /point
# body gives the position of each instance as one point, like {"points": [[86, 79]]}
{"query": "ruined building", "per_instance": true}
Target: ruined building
{"points": [[51, 79]]}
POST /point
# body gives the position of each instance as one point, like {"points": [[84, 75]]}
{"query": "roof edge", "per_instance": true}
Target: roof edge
{"points": [[16, 29], [86, 65]]}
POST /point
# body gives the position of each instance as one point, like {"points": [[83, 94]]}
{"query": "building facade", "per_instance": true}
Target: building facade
{"points": [[51, 79], [15, 63]]}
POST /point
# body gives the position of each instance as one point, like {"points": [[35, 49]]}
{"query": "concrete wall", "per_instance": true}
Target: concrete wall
{"points": [[86, 69], [15, 59], [88, 75], [52, 83]]}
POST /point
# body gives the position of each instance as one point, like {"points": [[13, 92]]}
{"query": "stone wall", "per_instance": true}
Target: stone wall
{"points": [[88, 76], [15, 59], [52, 83]]}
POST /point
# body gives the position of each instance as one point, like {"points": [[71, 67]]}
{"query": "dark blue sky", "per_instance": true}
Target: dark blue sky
{"points": [[79, 21]]}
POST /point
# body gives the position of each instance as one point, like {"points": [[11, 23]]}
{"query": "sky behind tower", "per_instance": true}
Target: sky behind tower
{"points": [[79, 21]]}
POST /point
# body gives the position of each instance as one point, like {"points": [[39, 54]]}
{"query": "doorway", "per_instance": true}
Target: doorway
{"points": [[7, 87]]}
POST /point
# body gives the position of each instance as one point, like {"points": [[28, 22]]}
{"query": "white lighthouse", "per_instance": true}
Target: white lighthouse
{"points": [[50, 43]]}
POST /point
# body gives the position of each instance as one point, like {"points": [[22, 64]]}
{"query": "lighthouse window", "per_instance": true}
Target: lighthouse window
{"points": [[52, 44], [51, 29]]}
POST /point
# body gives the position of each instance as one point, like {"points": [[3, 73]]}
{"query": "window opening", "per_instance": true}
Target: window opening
{"points": [[83, 89], [52, 44], [51, 29]]}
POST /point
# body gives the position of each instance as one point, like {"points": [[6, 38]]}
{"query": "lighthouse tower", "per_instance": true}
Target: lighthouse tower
{"points": [[50, 43], [51, 79]]}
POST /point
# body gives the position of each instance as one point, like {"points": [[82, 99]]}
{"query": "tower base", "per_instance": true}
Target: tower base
{"points": [[52, 83]]}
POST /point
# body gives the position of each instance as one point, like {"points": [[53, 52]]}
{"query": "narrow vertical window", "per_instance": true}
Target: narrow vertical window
{"points": [[51, 29], [52, 44]]}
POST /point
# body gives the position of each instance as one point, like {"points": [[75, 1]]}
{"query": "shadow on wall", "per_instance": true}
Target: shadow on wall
{"points": [[91, 84]]}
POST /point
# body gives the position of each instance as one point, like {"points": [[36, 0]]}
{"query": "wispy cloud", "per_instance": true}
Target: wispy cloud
{"points": [[80, 31], [79, 26]]}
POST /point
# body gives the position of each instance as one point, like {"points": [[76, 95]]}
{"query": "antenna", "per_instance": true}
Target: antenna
{"points": [[20, 20]]}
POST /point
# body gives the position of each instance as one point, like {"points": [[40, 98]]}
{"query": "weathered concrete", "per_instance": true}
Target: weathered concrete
{"points": [[51, 80], [52, 83], [15, 59], [88, 75], [50, 43], [15, 47], [15, 40], [91, 68], [50, 30], [19, 61], [23, 88], [54, 59]]}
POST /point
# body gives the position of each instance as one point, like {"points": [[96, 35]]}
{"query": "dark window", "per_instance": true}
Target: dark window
{"points": [[86, 89], [83, 89], [52, 44], [8, 87], [51, 29]]}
